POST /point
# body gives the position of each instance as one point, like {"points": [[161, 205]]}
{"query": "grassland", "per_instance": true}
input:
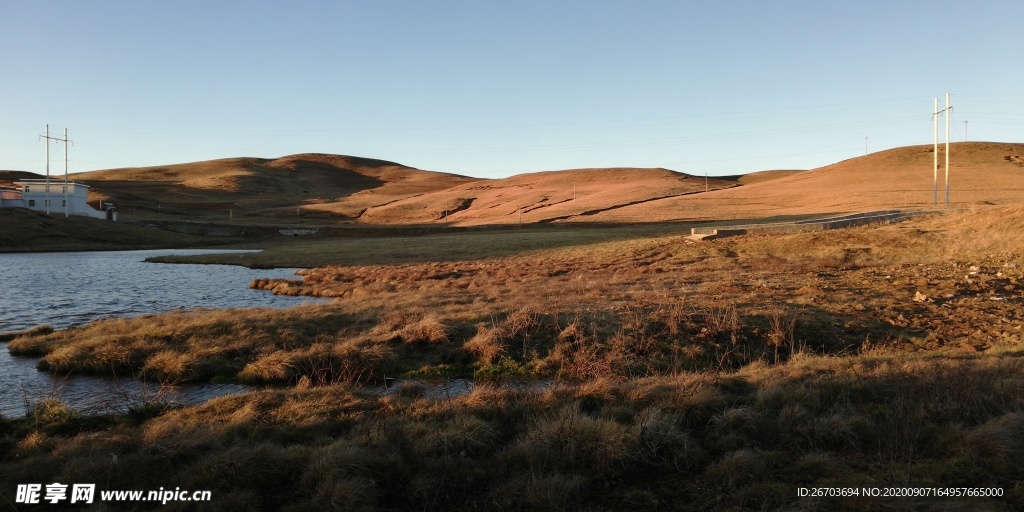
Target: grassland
{"points": [[23, 230], [717, 375]]}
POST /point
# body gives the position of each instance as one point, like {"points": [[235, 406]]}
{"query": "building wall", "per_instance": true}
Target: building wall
{"points": [[34, 197]]}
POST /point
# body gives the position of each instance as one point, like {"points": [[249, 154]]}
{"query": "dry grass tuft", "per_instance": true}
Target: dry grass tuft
{"points": [[1001, 437], [429, 329], [570, 438], [487, 345]]}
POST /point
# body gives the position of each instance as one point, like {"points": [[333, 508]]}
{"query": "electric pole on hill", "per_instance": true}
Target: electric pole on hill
{"points": [[935, 150], [949, 112]]}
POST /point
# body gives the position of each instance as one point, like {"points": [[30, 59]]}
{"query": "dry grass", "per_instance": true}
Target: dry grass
{"points": [[713, 376], [713, 441], [625, 308]]}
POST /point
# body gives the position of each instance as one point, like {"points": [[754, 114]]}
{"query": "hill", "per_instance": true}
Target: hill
{"points": [[980, 173], [759, 176], [569, 195], [336, 189], [7, 178], [280, 187]]}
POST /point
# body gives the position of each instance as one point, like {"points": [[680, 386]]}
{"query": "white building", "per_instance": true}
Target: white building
{"points": [[54, 197]]}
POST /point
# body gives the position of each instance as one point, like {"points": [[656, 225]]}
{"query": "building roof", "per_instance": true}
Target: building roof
{"points": [[52, 181]]}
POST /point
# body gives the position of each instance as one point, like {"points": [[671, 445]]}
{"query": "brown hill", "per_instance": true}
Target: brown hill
{"points": [[264, 187], [980, 173], [759, 176], [570, 195], [7, 178], [333, 188]]}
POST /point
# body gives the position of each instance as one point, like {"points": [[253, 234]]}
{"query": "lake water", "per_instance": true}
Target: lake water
{"points": [[67, 289]]}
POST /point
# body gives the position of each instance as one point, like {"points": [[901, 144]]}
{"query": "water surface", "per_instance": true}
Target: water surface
{"points": [[75, 288]]}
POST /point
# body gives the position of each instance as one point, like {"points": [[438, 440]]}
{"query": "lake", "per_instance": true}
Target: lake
{"points": [[75, 288]]}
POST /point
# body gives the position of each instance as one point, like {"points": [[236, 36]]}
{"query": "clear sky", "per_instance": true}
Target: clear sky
{"points": [[495, 88]]}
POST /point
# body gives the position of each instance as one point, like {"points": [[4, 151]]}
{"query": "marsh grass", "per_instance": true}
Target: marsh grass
{"points": [[711, 441], [716, 376]]}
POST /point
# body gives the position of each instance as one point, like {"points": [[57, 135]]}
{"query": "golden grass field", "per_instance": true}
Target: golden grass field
{"points": [[667, 374]]}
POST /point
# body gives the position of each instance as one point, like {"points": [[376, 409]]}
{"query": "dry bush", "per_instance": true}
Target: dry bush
{"points": [[659, 440], [832, 431], [781, 327], [719, 319], [487, 345], [463, 435], [28, 342], [274, 367], [348, 360], [523, 326], [584, 358], [737, 468], [570, 438], [540, 492], [34, 443], [429, 329], [1001, 438], [51, 411], [166, 365], [263, 465]]}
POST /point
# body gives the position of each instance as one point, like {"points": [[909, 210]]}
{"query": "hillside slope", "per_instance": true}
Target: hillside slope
{"points": [[23, 230], [570, 195], [263, 187], [980, 173], [330, 189], [7, 178]]}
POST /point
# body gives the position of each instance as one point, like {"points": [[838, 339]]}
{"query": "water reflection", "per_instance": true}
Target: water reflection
{"points": [[68, 289]]}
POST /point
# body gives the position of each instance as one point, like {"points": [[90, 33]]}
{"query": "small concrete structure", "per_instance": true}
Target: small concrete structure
{"points": [[713, 233], [53, 196]]}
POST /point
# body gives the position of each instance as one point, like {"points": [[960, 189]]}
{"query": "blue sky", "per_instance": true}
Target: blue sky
{"points": [[495, 88]]}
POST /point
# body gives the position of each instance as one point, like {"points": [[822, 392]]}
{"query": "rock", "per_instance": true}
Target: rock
{"points": [[975, 268], [920, 297], [921, 283]]}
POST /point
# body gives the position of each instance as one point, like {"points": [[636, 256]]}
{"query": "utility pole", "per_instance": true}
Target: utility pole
{"points": [[935, 154], [949, 112], [935, 151], [66, 172], [47, 138]]}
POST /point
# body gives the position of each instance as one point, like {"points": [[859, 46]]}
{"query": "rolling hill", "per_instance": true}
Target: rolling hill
{"points": [[540, 197], [980, 173], [7, 178], [336, 189], [264, 188]]}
